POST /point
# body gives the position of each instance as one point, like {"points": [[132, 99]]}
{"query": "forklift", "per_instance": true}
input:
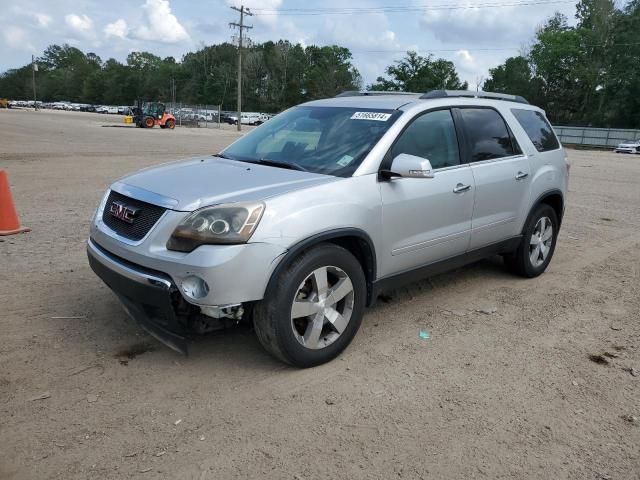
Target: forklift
{"points": [[151, 114]]}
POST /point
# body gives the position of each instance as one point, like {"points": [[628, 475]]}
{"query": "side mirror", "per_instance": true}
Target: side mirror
{"points": [[411, 166]]}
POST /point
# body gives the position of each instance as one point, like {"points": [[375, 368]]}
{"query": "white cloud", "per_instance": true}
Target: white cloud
{"points": [[43, 20], [468, 67], [117, 29], [16, 37], [160, 24], [79, 23], [373, 43], [486, 26]]}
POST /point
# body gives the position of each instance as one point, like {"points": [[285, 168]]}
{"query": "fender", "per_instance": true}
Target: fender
{"points": [[369, 267], [538, 201]]}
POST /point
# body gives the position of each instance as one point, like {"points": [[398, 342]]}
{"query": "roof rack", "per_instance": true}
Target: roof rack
{"points": [[470, 94], [371, 93]]}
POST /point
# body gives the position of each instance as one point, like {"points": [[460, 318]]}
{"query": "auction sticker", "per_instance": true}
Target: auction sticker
{"points": [[379, 116]]}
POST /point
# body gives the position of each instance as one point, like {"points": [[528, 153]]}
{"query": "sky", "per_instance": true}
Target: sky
{"points": [[475, 34]]}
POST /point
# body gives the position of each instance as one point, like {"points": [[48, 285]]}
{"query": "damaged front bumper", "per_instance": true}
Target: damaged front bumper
{"points": [[148, 296]]}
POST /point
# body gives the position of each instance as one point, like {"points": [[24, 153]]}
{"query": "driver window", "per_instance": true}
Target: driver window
{"points": [[431, 136]]}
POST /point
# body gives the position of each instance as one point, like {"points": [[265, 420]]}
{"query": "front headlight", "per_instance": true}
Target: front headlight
{"points": [[221, 224]]}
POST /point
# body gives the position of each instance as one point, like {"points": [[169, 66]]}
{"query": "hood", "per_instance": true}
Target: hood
{"points": [[629, 144], [200, 182]]}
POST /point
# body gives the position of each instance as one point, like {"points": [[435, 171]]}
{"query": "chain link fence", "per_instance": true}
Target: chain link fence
{"points": [[595, 137], [199, 116], [211, 116]]}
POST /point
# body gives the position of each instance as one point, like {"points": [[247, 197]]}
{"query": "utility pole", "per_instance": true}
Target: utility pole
{"points": [[172, 92], [34, 69], [241, 27]]}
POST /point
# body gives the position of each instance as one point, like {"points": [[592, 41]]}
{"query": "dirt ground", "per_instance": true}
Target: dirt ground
{"points": [[513, 394]]}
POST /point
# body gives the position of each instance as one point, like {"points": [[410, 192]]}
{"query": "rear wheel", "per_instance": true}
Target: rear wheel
{"points": [[171, 124], [538, 243], [314, 309]]}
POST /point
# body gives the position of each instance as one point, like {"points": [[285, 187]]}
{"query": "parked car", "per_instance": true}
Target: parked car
{"points": [[247, 119], [299, 224], [228, 118], [628, 146]]}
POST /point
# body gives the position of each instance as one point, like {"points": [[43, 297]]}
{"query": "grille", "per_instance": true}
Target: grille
{"points": [[147, 217]]}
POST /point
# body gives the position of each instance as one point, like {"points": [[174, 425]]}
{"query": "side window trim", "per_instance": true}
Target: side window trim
{"points": [[388, 158], [518, 152]]}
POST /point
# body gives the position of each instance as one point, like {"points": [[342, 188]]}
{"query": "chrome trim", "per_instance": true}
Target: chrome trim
{"points": [[143, 195], [103, 227], [450, 167], [494, 160], [125, 270]]}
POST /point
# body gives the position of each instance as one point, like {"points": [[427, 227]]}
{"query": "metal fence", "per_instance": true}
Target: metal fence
{"points": [[595, 137], [197, 116]]}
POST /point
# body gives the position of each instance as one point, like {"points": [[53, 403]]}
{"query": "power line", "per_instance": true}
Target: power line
{"points": [[480, 49], [241, 28], [439, 50], [400, 8]]}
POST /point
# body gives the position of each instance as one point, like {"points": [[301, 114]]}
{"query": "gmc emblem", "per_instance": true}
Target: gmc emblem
{"points": [[123, 212]]}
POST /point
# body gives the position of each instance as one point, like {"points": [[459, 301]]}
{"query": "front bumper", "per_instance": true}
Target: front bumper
{"points": [[234, 273], [146, 295]]}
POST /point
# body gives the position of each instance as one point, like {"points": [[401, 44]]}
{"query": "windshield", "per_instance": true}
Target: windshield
{"points": [[327, 140]]}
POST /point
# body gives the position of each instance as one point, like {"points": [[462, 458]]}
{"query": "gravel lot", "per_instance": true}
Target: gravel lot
{"points": [[513, 394]]}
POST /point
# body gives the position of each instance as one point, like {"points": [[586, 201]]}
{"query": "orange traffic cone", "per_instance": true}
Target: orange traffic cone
{"points": [[9, 223]]}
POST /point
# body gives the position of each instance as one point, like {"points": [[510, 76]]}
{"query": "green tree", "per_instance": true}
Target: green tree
{"points": [[415, 73]]}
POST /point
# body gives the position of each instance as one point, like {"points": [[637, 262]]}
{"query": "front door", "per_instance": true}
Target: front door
{"points": [[427, 219]]}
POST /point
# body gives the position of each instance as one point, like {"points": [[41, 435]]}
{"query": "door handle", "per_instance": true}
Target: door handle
{"points": [[459, 188], [521, 175]]}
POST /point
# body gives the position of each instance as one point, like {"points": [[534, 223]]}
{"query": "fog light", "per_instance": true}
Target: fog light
{"points": [[194, 287]]}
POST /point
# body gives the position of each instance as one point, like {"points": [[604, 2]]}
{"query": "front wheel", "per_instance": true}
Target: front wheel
{"points": [[314, 309], [538, 243]]}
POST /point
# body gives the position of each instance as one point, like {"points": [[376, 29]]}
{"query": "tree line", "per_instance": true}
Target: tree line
{"points": [[587, 74], [582, 74], [276, 75]]}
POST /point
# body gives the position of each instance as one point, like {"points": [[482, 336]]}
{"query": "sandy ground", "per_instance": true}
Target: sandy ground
{"points": [[513, 394]]}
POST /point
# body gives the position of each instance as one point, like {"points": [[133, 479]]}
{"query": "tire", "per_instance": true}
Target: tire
{"points": [[170, 124], [525, 261], [291, 337], [149, 122]]}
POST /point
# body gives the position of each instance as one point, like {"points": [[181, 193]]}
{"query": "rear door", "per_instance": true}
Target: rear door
{"points": [[427, 219], [501, 174]]}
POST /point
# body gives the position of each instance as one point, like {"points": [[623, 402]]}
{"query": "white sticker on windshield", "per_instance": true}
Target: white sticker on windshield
{"points": [[379, 116], [345, 160]]}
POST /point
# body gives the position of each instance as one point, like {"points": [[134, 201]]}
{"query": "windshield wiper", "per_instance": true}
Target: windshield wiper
{"points": [[276, 163], [222, 155]]}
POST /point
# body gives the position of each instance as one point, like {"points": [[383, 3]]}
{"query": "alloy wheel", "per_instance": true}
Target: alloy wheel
{"points": [[322, 307], [541, 240]]}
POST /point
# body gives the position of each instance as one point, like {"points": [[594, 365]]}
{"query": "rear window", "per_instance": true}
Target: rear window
{"points": [[537, 128], [488, 134]]}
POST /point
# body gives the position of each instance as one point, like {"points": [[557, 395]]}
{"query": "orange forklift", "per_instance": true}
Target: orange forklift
{"points": [[151, 114]]}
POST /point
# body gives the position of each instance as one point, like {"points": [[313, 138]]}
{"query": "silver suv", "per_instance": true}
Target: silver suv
{"points": [[301, 223]]}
